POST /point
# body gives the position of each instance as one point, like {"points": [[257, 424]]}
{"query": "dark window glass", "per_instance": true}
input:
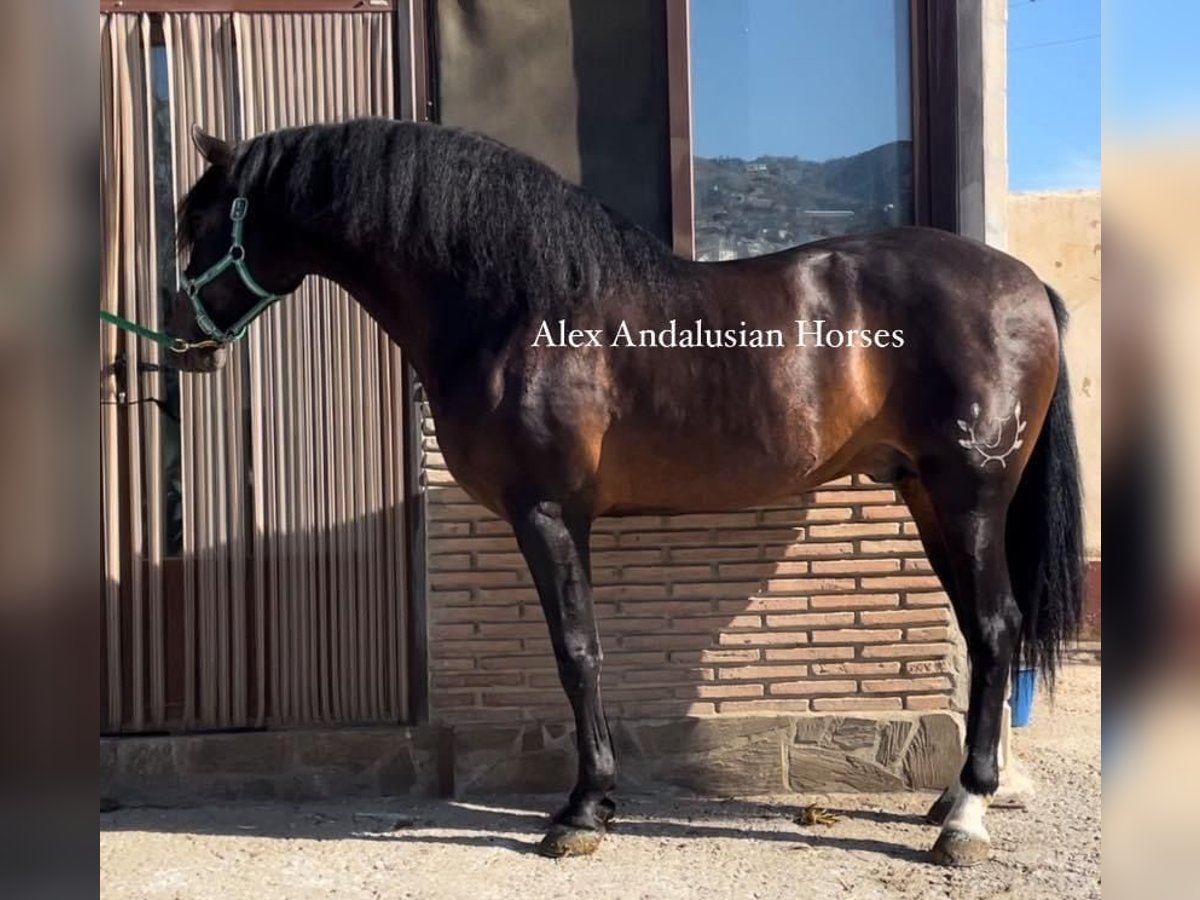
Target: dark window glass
{"points": [[802, 122]]}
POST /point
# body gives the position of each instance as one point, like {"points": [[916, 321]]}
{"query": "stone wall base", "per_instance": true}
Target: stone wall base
{"points": [[716, 756]]}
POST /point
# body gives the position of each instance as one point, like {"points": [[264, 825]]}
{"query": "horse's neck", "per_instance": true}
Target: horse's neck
{"points": [[404, 300]]}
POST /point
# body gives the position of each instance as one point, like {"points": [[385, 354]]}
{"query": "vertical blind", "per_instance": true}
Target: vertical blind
{"points": [[290, 600]]}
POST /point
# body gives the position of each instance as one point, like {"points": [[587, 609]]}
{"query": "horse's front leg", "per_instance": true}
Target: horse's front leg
{"points": [[555, 546]]}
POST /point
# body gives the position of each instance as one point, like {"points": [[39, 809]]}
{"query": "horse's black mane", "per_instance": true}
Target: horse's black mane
{"points": [[502, 227]]}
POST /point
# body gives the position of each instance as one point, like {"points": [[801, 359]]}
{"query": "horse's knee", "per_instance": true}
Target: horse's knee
{"points": [[579, 665]]}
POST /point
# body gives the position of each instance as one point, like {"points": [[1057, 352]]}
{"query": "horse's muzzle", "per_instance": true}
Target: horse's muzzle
{"points": [[200, 360]]}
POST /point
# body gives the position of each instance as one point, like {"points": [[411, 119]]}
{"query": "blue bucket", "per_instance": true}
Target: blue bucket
{"points": [[1023, 690]]}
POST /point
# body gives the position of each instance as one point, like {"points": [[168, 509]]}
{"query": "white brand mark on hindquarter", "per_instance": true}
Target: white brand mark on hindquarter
{"points": [[989, 450]]}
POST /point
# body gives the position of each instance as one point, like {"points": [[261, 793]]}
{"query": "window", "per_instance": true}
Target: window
{"points": [[802, 121]]}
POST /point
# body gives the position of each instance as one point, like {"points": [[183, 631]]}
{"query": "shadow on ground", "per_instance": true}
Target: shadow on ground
{"points": [[517, 823]]}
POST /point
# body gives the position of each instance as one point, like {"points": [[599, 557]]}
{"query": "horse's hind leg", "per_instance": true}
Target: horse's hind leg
{"points": [[934, 542], [970, 506], [556, 547]]}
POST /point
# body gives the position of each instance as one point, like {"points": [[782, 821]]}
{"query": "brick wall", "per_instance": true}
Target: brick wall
{"points": [[823, 605]]}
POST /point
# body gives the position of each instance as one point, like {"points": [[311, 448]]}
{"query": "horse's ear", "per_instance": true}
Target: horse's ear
{"points": [[216, 151]]}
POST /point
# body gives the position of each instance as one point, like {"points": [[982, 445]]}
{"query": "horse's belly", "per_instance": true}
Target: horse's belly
{"points": [[696, 476]]}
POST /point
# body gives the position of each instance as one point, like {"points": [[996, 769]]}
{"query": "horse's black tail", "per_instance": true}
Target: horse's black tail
{"points": [[1044, 534]]}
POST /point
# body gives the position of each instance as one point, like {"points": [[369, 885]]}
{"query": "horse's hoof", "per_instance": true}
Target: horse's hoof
{"points": [[957, 848], [940, 809], [563, 840]]}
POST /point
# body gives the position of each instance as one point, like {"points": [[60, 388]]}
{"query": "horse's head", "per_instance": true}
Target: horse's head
{"points": [[239, 260]]}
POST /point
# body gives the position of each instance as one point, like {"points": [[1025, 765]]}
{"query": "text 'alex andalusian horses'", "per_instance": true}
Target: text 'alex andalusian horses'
{"points": [[939, 371]]}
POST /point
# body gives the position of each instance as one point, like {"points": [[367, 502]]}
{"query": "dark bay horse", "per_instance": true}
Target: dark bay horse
{"points": [[922, 359]]}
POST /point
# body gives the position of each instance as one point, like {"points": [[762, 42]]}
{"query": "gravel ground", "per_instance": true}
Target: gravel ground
{"points": [[665, 846]]}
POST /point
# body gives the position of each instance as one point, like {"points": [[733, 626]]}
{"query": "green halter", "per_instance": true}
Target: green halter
{"points": [[235, 258]]}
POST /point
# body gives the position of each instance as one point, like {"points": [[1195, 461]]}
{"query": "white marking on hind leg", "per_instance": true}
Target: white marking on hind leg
{"points": [[967, 815]]}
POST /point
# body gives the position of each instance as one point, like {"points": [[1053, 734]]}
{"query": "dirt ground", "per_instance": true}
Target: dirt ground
{"points": [[662, 847]]}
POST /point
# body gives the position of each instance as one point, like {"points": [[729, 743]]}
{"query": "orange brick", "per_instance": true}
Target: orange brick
{"points": [[891, 511], [715, 589], [810, 620], [618, 658], [853, 601], [809, 585], [448, 529], [493, 527], [897, 685], [855, 566], [828, 514], [893, 546], [449, 700], [901, 583], [661, 538], [478, 679], [935, 701], [713, 520], [518, 629], [631, 592], [713, 554], [910, 528], [451, 665], [627, 558], [932, 598], [471, 579], [505, 596], [853, 529], [928, 634], [658, 640], [665, 675], [717, 691], [476, 647], [762, 569], [788, 653], [671, 708], [448, 598], [666, 607], [856, 704], [765, 604], [760, 536], [665, 573], [856, 636], [714, 623], [905, 616], [835, 498], [760, 706], [794, 688], [473, 614], [463, 544], [742, 673], [905, 651], [917, 565], [822, 550], [790, 516], [529, 662], [451, 632], [636, 625], [495, 560], [763, 638], [852, 668], [629, 523], [728, 656]]}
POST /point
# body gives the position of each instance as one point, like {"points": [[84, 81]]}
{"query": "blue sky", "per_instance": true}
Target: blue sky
{"points": [[819, 79], [809, 78], [1053, 94]]}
